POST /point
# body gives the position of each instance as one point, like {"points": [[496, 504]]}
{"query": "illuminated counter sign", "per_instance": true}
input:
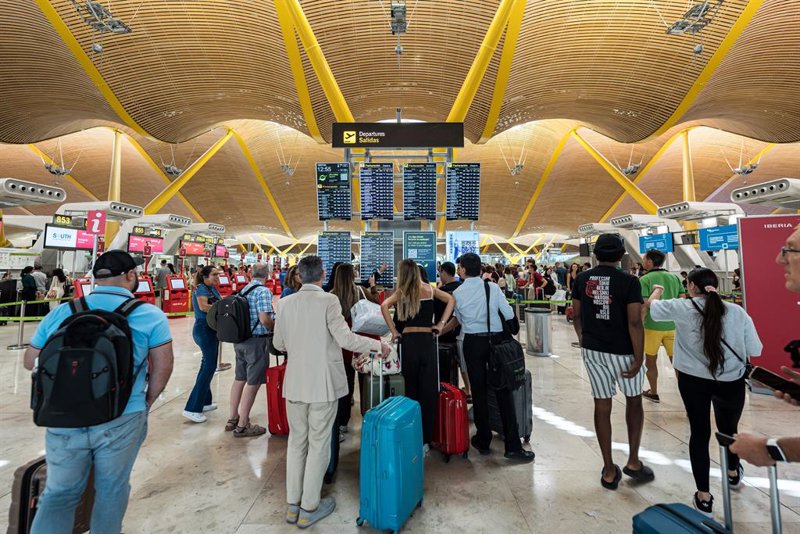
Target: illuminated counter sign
{"points": [[397, 135], [64, 238], [719, 238], [377, 248], [333, 191], [463, 191], [421, 247], [333, 247], [377, 191], [419, 191], [661, 242]]}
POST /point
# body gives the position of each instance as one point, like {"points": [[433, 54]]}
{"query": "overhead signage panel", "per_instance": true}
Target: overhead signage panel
{"points": [[459, 243], [333, 191], [193, 248], [719, 238], [333, 247], [661, 242], [421, 247], [377, 191], [64, 238], [463, 190], [387, 135], [419, 191], [377, 248], [136, 243]]}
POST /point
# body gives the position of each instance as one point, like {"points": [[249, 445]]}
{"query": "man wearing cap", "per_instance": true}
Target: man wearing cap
{"points": [[608, 321], [110, 448]]}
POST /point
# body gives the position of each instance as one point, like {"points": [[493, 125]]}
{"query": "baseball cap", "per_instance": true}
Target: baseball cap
{"points": [[609, 246], [114, 263]]}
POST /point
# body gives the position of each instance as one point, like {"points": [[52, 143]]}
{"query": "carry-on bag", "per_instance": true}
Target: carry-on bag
{"points": [[29, 482], [278, 424], [393, 385], [678, 518], [451, 433], [523, 409], [391, 464]]}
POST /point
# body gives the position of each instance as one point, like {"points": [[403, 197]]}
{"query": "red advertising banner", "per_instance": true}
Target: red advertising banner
{"points": [[194, 249], [96, 222], [775, 310], [136, 243]]}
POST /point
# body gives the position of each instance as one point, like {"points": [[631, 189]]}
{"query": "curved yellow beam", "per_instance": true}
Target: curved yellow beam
{"points": [[689, 192], [504, 70], [172, 189], [713, 63], [478, 69], [298, 73], [542, 181], [638, 195], [88, 66], [261, 181], [69, 177]]}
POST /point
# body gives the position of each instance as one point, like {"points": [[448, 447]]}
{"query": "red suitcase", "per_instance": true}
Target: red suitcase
{"points": [[276, 405], [451, 434]]}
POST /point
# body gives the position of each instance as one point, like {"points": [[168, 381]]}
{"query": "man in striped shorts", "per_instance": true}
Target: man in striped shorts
{"points": [[608, 321]]}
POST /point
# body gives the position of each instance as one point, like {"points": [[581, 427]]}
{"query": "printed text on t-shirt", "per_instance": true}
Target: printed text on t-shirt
{"points": [[598, 289]]}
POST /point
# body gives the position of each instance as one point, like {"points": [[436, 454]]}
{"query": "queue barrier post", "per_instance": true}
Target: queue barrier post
{"points": [[21, 332], [221, 366]]}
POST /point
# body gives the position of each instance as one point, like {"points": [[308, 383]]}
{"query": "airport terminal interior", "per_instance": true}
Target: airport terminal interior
{"points": [[240, 133]]}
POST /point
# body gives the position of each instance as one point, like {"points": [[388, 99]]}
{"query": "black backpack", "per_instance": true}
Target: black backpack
{"points": [[232, 318], [85, 372]]}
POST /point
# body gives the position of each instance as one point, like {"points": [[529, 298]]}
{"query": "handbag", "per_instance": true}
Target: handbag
{"points": [[748, 367], [506, 357], [370, 363], [367, 317]]}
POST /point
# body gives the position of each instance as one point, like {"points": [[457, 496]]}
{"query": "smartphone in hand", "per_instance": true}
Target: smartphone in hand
{"points": [[775, 381]]}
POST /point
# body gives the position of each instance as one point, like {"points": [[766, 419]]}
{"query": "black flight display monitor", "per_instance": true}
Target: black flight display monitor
{"points": [[377, 191], [419, 191], [463, 191], [333, 247], [333, 191], [377, 248]]}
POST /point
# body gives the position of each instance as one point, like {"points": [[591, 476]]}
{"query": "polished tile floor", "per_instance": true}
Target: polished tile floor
{"points": [[198, 479]]}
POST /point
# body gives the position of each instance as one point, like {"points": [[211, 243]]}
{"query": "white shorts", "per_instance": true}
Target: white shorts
{"points": [[605, 372]]}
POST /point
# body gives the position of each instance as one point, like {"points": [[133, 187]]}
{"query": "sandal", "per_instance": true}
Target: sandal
{"points": [[249, 431], [231, 424], [649, 395], [643, 474], [614, 484]]}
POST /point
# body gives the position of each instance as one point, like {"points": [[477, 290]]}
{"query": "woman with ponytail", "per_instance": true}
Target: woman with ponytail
{"points": [[713, 341]]}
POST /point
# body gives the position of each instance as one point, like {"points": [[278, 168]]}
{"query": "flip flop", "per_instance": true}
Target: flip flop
{"points": [[613, 484], [643, 474]]}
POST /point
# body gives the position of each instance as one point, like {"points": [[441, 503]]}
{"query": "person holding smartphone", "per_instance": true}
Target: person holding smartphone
{"points": [[713, 340]]}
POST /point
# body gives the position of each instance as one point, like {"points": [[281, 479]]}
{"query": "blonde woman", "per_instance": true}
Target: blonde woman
{"points": [[413, 326]]}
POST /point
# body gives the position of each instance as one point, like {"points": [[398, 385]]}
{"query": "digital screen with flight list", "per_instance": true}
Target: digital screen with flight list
{"points": [[333, 191], [419, 191], [377, 191], [377, 248], [333, 247], [463, 191]]}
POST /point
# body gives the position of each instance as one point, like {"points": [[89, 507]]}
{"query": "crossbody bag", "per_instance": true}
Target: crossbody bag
{"points": [[748, 367]]}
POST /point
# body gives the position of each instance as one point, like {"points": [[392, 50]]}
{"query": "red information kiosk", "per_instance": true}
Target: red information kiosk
{"points": [[82, 286], [144, 291], [225, 286], [176, 295]]}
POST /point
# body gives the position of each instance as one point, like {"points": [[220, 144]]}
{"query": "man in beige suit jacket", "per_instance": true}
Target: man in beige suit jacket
{"points": [[310, 327]]}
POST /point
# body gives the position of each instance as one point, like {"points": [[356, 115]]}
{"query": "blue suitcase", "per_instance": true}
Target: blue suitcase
{"points": [[392, 464]]}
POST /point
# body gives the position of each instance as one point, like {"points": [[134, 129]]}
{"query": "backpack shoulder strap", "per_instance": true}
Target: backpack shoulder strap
{"points": [[79, 305], [127, 307], [251, 288]]}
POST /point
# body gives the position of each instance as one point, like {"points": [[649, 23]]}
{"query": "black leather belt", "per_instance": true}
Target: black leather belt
{"points": [[264, 335], [486, 334]]}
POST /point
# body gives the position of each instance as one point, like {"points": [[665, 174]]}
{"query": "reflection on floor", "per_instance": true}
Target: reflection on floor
{"points": [[199, 479]]}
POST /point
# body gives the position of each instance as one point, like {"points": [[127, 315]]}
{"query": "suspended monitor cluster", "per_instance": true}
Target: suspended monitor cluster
{"points": [[377, 248]]}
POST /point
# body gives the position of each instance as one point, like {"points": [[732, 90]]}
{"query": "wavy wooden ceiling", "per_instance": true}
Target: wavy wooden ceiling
{"points": [[604, 66]]}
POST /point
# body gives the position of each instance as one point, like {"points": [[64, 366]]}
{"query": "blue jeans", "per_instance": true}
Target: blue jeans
{"points": [[71, 452], [206, 339]]}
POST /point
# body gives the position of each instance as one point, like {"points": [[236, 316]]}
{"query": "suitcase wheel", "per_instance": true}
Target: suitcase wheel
{"points": [[359, 521], [447, 458], [465, 455]]}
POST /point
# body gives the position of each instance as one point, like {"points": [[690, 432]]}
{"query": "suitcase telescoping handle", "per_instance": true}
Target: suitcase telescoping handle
{"points": [[372, 356], [774, 495], [438, 371]]}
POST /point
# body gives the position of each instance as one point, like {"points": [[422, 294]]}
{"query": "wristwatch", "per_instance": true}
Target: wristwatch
{"points": [[775, 450]]}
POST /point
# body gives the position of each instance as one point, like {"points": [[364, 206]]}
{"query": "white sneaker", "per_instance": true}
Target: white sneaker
{"points": [[194, 417], [210, 407]]}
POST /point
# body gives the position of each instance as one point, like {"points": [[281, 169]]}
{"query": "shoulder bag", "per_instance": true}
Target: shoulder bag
{"points": [[506, 357], [367, 317], [748, 367]]}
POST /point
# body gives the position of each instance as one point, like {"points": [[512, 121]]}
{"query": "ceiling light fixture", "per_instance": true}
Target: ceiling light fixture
{"points": [[100, 18], [696, 18]]}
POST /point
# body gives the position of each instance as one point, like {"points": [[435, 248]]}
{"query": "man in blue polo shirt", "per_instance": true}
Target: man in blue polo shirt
{"points": [[111, 448]]}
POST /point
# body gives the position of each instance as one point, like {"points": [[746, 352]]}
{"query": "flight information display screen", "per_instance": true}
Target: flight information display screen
{"points": [[419, 191], [333, 191], [377, 248], [463, 191], [377, 191], [333, 247]]}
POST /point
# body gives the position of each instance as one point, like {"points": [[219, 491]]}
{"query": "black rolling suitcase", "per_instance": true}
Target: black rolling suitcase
{"points": [[523, 409], [29, 482]]}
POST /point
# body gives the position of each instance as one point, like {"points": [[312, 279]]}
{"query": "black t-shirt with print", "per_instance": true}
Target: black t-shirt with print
{"points": [[604, 293]]}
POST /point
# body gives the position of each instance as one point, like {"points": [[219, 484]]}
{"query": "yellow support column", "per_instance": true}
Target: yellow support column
{"points": [[172, 189], [3, 241], [689, 194], [115, 184], [638, 195]]}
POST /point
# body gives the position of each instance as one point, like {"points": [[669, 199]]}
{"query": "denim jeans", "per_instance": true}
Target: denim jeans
{"points": [[206, 339], [71, 452]]}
